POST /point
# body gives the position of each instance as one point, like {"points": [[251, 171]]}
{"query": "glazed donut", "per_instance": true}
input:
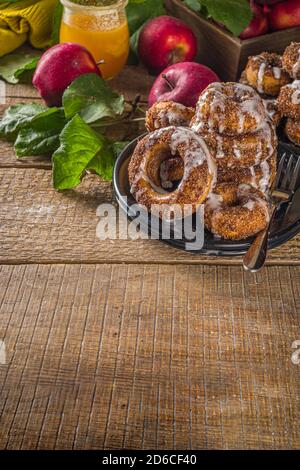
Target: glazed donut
{"points": [[236, 212], [291, 60], [242, 150], [144, 168], [229, 108], [264, 73], [259, 176], [168, 113], [272, 110], [292, 130], [270, 104], [289, 100]]}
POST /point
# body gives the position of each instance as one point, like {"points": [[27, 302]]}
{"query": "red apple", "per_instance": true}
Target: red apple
{"points": [[58, 67], [182, 83], [164, 41], [258, 25], [285, 15]]}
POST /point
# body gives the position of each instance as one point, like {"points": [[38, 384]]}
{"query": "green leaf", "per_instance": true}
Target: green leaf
{"points": [[91, 98], [13, 66], [234, 14], [81, 149], [41, 136], [58, 12], [140, 11], [17, 116]]}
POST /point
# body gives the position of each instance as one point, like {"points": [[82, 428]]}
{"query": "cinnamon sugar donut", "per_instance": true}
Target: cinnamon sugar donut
{"points": [[242, 150], [291, 60], [144, 168], [229, 108], [264, 73], [270, 104], [168, 113], [259, 176], [289, 100], [236, 212], [292, 130]]}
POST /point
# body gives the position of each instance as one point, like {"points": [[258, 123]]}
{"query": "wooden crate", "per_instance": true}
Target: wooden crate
{"points": [[219, 49]]}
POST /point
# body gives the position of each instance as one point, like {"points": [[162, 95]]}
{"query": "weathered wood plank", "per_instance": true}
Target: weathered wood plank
{"points": [[40, 224], [135, 356]]}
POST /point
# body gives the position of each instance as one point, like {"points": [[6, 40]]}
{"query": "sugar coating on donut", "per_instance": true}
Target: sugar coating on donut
{"points": [[229, 108], [260, 176], [236, 212], [264, 73], [292, 130], [291, 60], [242, 150], [168, 113], [289, 100], [198, 176]]}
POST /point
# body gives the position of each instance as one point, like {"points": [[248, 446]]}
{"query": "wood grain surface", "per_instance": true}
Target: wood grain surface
{"points": [[40, 224], [132, 344], [149, 357]]}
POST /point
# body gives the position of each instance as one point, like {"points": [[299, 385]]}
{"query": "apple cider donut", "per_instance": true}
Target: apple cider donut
{"points": [[259, 176], [292, 130], [289, 100], [144, 168], [168, 113], [236, 212], [242, 150], [229, 108], [264, 73], [291, 60]]}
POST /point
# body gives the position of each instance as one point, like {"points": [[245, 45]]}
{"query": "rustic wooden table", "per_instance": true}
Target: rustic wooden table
{"points": [[132, 344]]}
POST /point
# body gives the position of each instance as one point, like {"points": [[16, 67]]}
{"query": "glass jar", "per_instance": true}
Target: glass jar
{"points": [[102, 29]]}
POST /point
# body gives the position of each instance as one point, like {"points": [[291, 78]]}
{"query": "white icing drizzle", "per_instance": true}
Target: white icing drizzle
{"points": [[248, 103], [195, 155], [253, 179], [260, 77], [277, 73], [295, 86], [265, 179], [171, 116], [296, 66], [249, 205], [214, 201]]}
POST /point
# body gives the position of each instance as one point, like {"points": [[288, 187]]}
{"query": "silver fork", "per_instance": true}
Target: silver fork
{"points": [[282, 191]]}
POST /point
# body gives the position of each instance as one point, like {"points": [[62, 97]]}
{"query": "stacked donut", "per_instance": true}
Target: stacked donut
{"points": [[265, 73], [289, 96], [277, 80], [222, 154], [233, 121]]}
